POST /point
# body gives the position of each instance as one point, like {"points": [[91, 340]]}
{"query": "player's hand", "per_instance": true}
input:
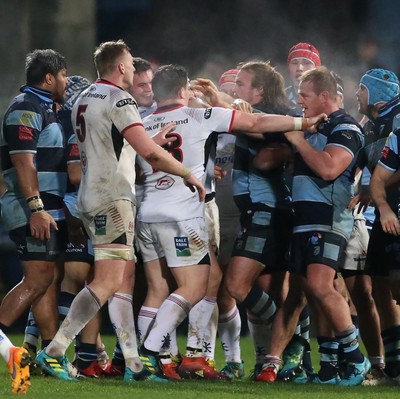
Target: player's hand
{"points": [[219, 173], [312, 123], [208, 90], [362, 199], [40, 224], [389, 221], [193, 182], [161, 137], [242, 105]]}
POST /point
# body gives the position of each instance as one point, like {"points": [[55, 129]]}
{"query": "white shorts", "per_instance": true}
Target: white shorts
{"points": [[212, 223], [356, 250], [181, 243], [113, 224]]}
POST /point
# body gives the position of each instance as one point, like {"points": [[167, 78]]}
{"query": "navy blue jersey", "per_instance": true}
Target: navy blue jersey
{"points": [[30, 125], [322, 205], [390, 159], [376, 134], [253, 187]]}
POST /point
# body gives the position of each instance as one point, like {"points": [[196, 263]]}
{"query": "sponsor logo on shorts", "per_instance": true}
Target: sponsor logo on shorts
{"points": [[182, 246], [164, 183], [100, 222], [207, 113], [315, 242], [125, 101]]}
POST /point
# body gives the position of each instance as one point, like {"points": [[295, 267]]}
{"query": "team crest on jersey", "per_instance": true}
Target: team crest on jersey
{"points": [[385, 152], [164, 183], [207, 113], [125, 101], [84, 162], [100, 222], [182, 246]]}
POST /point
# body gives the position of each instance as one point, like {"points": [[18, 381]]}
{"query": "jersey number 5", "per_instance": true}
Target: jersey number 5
{"points": [[80, 123]]}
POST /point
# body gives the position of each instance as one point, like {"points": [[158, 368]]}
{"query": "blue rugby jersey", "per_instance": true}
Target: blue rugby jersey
{"points": [[30, 125], [322, 205]]}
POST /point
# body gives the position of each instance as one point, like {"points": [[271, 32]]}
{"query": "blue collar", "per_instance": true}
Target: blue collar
{"points": [[44, 95]]}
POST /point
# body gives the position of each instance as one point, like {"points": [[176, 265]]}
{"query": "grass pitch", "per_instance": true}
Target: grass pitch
{"points": [[48, 387]]}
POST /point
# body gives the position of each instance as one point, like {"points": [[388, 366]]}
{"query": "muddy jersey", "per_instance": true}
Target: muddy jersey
{"points": [[166, 198], [100, 117]]}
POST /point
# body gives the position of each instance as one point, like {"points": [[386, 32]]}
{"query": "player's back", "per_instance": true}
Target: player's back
{"points": [[166, 197], [99, 116]]}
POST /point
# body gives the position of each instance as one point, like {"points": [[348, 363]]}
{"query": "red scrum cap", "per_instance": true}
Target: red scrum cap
{"points": [[305, 50]]}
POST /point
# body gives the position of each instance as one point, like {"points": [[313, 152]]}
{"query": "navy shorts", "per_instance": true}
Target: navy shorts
{"points": [[82, 252], [316, 247], [265, 237], [30, 248], [383, 255]]}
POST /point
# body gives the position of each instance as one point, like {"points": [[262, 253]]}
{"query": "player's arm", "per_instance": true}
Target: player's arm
{"points": [[40, 221], [159, 158], [261, 123], [272, 156], [328, 164], [74, 171], [389, 220]]}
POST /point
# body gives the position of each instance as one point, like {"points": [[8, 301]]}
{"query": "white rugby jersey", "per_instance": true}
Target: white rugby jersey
{"points": [[99, 117], [166, 198]]}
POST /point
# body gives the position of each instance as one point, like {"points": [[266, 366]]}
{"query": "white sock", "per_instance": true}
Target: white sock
{"points": [[171, 313], [261, 335], [173, 344], [5, 345], [85, 305], [229, 326], [199, 318], [146, 316], [121, 315], [210, 334]]}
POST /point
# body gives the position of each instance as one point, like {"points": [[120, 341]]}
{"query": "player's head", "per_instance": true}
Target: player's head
{"points": [[47, 69], [259, 83], [318, 92], [110, 55], [301, 58], [227, 82], [141, 88], [382, 85], [169, 81], [39, 63]]}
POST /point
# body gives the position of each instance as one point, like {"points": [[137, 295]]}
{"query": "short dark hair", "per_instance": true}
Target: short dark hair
{"points": [[39, 63], [106, 55], [141, 65], [168, 80]]}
